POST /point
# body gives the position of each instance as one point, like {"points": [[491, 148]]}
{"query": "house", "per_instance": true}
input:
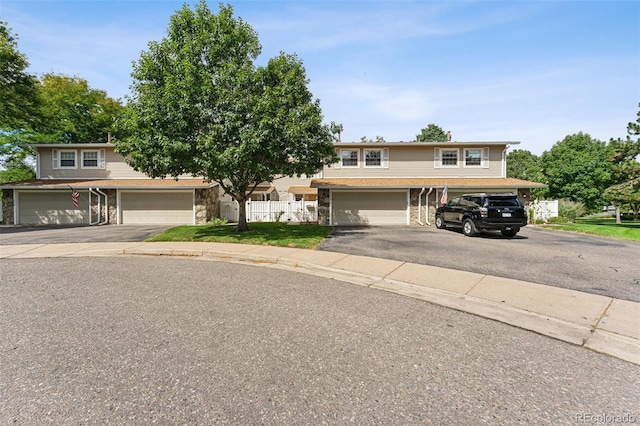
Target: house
{"points": [[105, 189], [402, 183]]}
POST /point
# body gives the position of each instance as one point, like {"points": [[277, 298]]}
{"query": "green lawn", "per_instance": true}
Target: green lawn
{"points": [[627, 230], [260, 233]]}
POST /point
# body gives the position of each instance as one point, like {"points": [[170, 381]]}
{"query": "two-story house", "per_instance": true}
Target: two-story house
{"points": [[402, 183], [88, 184]]}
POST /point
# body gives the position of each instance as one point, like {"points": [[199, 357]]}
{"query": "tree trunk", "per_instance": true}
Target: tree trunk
{"points": [[242, 216], [618, 220]]}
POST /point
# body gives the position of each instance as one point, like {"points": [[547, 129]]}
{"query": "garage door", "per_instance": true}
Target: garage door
{"points": [[52, 208], [369, 208], [157, 207]]}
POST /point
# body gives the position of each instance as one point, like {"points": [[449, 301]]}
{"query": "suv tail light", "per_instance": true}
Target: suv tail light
{"points": [[484, 212]]}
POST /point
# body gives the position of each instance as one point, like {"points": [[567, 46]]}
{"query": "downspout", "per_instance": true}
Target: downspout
{"points": [[91, 222], [420, 205], [426, 206], [106, 208]]}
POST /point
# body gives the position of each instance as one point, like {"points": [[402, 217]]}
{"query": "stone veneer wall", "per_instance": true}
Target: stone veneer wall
{"points": [[323, 206], [207, 205], [7, 207], [413, 208]]}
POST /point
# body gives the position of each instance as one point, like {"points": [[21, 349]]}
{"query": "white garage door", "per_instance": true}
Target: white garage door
{"points": [[369, 208], [175, 207], [52, 208]]}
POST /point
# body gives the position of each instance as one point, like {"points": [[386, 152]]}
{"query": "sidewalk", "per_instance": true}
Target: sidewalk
{"points": [[600, 323]]}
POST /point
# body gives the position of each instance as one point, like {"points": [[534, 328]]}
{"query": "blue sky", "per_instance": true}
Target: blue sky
{"points": [[528, 71]]}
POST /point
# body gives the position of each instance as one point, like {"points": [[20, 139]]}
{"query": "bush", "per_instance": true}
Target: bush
{"points": [[571, 210], [558, 220], [216, 221]]}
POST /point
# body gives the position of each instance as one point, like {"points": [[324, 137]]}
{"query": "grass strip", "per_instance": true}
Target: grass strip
{"points": [[260, 233]]}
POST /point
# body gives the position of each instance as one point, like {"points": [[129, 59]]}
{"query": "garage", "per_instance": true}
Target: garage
{"points": [[51, 208], [369, 207], [157, 207]]}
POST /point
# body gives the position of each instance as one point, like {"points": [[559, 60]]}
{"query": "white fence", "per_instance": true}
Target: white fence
{"points": [[271, 211], [544, 209]]}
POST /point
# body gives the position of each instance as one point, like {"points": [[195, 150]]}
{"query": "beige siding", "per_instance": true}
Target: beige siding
{"points": [[419, 162], [115, 166]]}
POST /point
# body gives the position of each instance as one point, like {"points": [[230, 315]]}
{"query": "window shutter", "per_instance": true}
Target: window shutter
{"points": [[54, 157], [437, 160], [339, 163], [101, 160], [385, 158], [485, 158]]}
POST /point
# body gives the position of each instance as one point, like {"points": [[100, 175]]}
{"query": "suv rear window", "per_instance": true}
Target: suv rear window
{"points": [[502, 201]]}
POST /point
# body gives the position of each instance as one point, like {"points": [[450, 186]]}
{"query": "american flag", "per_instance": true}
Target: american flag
{"points": [[445, 195], [74, 197]]}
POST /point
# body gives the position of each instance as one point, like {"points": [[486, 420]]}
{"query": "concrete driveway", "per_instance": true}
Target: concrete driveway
{"points": [[10, 235], [580, 262]]}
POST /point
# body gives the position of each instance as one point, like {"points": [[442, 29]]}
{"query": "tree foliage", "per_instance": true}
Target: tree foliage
{"points": [[626, 193], [18, 88], [522, 164], [577, 169], [73, 112], [201, 106], [432, 133]]}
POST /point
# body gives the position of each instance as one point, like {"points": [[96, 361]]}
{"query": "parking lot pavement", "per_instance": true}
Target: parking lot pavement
{"points": [[579, 262], [11, 235]]}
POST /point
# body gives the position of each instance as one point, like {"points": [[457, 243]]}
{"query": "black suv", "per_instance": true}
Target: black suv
{"points": [[476, 212]]}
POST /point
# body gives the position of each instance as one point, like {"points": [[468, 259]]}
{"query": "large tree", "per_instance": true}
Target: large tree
{"points": [[73, 112], [18, 88], [201, 106], [18, 106], [432, 133], [577, 169]]}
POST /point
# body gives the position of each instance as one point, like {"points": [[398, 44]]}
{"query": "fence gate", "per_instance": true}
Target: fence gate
{"points": [[271, 211]]}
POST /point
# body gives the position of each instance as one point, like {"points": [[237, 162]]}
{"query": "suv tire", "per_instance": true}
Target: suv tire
{"points": [[509, 232], [468, 228], [440, 222]]}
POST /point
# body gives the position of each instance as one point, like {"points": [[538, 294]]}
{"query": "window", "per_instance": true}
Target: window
{"points": [[90, 159], [473, 157], [93, 159], [350, 157], [449, 158], [64, 158], [376, 157]]}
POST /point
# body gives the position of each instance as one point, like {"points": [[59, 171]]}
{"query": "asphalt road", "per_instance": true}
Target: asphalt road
{"points": [[141, 340], [580, 262]]}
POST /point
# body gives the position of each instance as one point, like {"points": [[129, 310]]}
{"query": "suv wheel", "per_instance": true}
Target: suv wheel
{"points": [[468, 228], [509, 232], [440, 222]]}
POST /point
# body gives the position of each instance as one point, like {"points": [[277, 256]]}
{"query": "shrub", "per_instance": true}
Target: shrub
{"points": [[216, 221], [571, 210], [557, 219]]}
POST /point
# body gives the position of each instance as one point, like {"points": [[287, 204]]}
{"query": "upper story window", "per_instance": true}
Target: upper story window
{"points": [[473, 157], [93, 159], [349, 157], [64, 158], [449, 157], [476, 157], [376, 157]]}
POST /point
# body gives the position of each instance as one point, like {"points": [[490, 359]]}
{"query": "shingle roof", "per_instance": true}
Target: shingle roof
{"points": [[424, 182], [110, 183]]}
